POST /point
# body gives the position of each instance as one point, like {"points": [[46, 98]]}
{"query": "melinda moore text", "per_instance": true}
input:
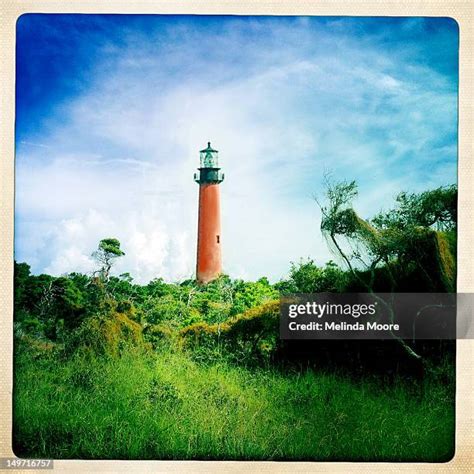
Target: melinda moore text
{"points": [[334, 326], [312, 308]]}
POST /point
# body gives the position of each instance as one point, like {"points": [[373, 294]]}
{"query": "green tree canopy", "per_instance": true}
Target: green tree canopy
{"points": [[108, 250]]}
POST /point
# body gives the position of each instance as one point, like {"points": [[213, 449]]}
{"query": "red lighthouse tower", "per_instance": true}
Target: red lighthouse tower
{"points": [[209, 257]]}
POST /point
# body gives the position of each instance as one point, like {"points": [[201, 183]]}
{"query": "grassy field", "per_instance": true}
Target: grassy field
{"points": [[162, 405]]}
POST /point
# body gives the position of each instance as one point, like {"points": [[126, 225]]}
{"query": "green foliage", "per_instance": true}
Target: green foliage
{"points": [[104, 335], [249, 338], [306, 277], [405, 240], [340, 196], [107, 251], [32, 292], [111, 247], [247, 295], [68, 301], [437, 207], [21, 280], [167, 308]]}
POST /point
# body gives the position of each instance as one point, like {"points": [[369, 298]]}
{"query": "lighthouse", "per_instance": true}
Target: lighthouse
{"points": [[209, 256]]}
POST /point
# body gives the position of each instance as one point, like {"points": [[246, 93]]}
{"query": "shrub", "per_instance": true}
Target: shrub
{"points": [[105, 335], [249, 338]]}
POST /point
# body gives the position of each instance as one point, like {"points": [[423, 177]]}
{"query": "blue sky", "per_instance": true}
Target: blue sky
{"points": [[112, 110]]}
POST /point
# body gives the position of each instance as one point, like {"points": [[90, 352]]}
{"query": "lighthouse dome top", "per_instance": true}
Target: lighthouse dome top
{"points": [[209, 148]]}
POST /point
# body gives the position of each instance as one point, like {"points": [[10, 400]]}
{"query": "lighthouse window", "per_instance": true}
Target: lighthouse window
{"points": [[218, 238]]}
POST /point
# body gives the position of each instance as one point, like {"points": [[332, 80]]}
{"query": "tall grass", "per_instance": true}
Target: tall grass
{"points": [[165, 406]]}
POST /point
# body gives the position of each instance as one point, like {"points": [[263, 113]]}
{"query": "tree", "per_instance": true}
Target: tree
{"points": [[350, 237], [399, 239], [435, 208], [108, 250], [22, 276], [67, 306], [306, 277]]}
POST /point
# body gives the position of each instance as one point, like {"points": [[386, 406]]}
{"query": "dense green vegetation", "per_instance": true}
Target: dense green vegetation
{"points": [[164, 405], [107, 368]]}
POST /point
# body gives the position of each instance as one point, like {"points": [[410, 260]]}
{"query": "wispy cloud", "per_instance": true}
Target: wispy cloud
{"points": [[40, 145], [282, 99]]}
